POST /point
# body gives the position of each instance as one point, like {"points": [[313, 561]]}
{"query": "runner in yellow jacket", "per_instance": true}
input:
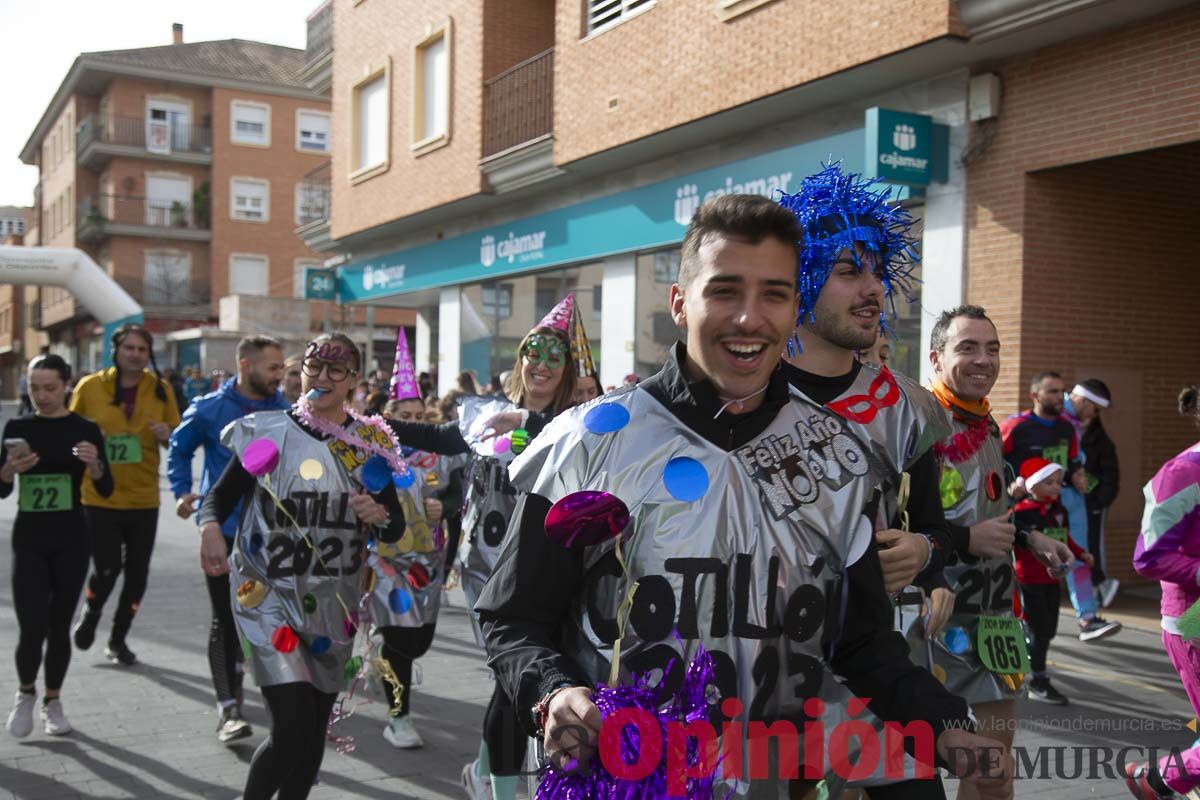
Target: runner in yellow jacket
{"points": [[135, 408]]}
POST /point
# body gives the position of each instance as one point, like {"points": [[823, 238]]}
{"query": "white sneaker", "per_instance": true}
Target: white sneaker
{"points": [[1108, 591], [401, 733], [476, 788], [20, 719], [54, 721]]}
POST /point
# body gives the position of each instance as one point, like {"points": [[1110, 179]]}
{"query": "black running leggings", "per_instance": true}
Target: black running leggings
{"points": [[504, 735], [225, 658], [122, 539], [48, 569], [401, 647], [1039, 602], [288, 760]]}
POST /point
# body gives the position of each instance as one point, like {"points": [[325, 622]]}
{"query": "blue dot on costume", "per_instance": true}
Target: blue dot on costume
{"points": [[685, 478], [606, 418], [403, 480], [255, 544], [376, 473], [400, 601], [957, 641], [320, 645]]}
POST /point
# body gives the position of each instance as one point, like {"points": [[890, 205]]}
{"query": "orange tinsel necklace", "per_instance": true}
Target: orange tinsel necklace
{"points": [[975, 415]]}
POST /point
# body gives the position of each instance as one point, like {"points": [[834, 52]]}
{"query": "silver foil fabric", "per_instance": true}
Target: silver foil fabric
{"points": [[295, 582], [489, 501], [972, 491], [413, 565], [748, 561], [898, 421]]}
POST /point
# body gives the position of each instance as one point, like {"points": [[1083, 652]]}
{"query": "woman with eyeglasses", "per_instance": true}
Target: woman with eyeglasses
{"points": [[317, 481], [542, 385]]}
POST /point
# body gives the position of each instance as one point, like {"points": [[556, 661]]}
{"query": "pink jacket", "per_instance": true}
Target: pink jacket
{"points": [[1169, 545]]}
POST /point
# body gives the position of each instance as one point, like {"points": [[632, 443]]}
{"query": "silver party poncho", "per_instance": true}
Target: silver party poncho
{"points": [[973, 490], [292, 585], [899, 421], [407, 589], [743, 552], [489, 501]]}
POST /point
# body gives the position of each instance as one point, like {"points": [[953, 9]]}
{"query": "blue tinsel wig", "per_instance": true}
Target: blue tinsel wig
{"points": [[836, 210]]}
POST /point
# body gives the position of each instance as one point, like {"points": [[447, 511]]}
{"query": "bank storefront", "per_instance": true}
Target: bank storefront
{"points": [[483, 289]]}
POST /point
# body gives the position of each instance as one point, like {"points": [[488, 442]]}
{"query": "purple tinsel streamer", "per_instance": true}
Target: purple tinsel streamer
{"points": [[858, 211], [690, 704]]}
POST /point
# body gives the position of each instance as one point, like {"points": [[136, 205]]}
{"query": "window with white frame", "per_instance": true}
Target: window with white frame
{"points": [[431, 92], [248, 274], [249, 200], [371, 121], [603, 14], [303, 265], [167, 277], [312, 202], [497, 300], [250, 123], [312, 131]]}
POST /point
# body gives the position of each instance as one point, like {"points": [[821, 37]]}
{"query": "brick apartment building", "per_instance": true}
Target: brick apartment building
{"points": [[180, 169], [489, 156]]}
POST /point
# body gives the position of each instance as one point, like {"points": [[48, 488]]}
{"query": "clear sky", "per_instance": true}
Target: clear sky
{"points": [[39, 40]]}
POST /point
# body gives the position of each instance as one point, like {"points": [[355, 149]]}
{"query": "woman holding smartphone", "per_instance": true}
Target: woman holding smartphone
{"points": [[50, 449]]}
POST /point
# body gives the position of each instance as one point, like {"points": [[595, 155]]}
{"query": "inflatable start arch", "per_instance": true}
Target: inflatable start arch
{"points": [[75, 271]]}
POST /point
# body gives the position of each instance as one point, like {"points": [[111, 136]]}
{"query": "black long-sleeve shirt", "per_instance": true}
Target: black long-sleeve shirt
{"points": [[236, 484], [53, 439], [524, 606], [925, 514], [1100, 462]]}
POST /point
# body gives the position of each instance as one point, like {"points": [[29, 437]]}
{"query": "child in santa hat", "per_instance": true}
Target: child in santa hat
{"points": [[1041, 594]]}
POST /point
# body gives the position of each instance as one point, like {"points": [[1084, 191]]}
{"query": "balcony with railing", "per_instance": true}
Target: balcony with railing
{"points": [[318, 50], [315, 206], [518, 121], [101, 216], [518, 104], [99, 138]]}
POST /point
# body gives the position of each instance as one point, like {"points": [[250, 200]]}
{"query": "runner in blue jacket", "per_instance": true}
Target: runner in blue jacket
{"points": [[256, 388]]}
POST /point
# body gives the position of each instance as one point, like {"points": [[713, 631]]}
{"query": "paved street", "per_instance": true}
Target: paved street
{"points": [[148, 731]]}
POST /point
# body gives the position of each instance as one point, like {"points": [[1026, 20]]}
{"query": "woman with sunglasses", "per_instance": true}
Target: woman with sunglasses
{"points": [[299, 554], [542, 385]]}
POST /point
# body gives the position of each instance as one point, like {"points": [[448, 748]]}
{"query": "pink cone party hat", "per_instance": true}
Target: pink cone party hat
{"points": [[404, 379], [559, 318]]}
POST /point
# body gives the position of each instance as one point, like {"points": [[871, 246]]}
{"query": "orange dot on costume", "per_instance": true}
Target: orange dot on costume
{"points": [[251, 593], [284, 639], [311, 469]]}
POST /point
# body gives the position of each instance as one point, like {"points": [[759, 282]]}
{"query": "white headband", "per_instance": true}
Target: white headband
{"points": [[1041, 475], [1080, 389]]}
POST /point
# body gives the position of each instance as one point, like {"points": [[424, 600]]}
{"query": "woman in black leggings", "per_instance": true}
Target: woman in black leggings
{"points": [[50, 449], [299, 556]]}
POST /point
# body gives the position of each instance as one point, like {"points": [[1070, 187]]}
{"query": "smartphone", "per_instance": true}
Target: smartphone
{"points": [[18, 448]]}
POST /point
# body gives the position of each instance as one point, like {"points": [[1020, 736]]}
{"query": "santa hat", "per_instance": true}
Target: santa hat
{"points": [[1037, 469], [565, 317], [837, 210], [404, 378]]}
